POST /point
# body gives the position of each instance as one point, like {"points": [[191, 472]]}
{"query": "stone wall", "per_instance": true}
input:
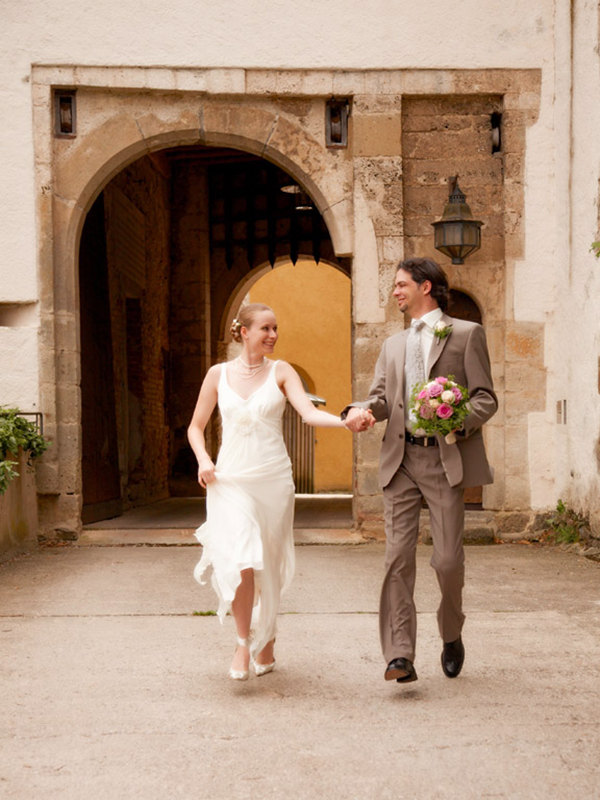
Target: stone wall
{"points": [[375, 197], [140, 353], [18, 511], [436, 137], [190, 316]]}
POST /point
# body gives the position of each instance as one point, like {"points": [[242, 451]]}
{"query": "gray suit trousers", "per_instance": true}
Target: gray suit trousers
{"points": [[421, 474]]}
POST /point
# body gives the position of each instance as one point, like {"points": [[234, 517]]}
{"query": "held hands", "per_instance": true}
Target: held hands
{"points": [[359, 420], [206, 472]]}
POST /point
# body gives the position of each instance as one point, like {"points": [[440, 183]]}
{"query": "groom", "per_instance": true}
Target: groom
{"points": [[413, 467]]}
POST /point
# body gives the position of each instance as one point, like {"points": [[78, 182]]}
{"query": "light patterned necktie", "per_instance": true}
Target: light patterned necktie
{"points": [[415, 368]]}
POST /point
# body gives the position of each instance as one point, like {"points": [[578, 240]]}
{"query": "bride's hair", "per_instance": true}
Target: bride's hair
{"points": [[245, 318]]}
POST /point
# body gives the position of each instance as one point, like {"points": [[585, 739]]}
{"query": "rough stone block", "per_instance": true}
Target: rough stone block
{"points": [[453, 145], [377, 135], [376, 104], [317, 82], [46, 473], [384, 82], [525, 343], [54, 76], [522, 100], [392, 248], [425, 81], [61, 511], [183, 119], [226, 81], [348, 84], [191, 80], [450, 104], [514, 167], [231, 123], [379, 170], [290, 81], [368, 447], [539, 521], [514, 133], [512, 522], [368, 513], [261, 81], [367, 482], [160, 78], [78, 161], [525, 380]]}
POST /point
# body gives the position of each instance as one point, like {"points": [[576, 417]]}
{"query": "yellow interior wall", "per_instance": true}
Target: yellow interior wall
{"points": [[312, 305]]}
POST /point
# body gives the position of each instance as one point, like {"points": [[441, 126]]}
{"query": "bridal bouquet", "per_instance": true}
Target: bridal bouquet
{"points": [[440, 406]]}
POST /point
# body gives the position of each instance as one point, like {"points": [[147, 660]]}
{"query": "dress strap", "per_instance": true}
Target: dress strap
{"points": [[223, 377]]}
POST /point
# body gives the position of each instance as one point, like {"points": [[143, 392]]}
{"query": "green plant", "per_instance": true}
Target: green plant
{"points": [[15, 432], [595, 249], [567, 525], [204, 613]]}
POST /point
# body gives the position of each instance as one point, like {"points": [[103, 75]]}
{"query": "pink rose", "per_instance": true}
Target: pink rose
{"points": [[457, 393], [441, 380], [435, 390], [426, 413], [423, 395], [444, 411]]}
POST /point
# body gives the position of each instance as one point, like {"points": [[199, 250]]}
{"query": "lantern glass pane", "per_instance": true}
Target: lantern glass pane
{"points": [[471, 234]]}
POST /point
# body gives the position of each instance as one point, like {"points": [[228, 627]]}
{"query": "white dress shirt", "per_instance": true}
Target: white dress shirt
{"points": [[430, 320]]}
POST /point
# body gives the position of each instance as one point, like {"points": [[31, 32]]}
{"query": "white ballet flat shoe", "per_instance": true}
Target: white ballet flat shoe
{"points": [[263, 669], [235, 674]]}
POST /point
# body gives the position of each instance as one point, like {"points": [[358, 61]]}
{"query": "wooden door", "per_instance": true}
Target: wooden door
{"points": [[100, 461]]}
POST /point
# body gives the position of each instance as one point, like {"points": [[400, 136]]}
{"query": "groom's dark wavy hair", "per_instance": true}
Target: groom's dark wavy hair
{"points": [[426, 269]]}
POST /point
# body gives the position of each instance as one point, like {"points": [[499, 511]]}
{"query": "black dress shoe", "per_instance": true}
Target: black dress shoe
{"points": [[453, 656], [401, 670]]}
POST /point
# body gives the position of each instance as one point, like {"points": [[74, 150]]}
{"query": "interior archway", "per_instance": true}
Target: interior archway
{"points": [[169, 239], [313, 307]]}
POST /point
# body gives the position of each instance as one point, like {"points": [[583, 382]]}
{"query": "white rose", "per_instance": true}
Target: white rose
{"points": [[434, 403], [244, 422], [448, 397]]}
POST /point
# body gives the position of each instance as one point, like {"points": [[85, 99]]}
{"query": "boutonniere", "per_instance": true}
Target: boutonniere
{"points": [[440, 331]]}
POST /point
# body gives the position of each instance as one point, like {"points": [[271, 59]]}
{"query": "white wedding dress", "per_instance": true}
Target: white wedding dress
{"points": [[250, 505]]}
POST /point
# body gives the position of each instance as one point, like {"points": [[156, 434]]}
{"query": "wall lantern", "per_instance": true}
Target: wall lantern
{"points": [[457, 234], [302, 200], [336, 123]]}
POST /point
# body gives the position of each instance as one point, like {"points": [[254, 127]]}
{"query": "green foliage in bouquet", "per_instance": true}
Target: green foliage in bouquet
{"points": [[440, 406], [15, 432]]}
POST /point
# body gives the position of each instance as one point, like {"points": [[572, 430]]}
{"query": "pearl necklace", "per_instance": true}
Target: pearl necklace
{"points": [[250, 369]]}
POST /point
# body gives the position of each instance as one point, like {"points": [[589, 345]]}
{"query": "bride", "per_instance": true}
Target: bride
{"points": [[248, 535]]}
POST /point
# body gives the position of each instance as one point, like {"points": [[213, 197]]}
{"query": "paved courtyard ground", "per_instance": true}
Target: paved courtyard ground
{"points": [[113, 687]]}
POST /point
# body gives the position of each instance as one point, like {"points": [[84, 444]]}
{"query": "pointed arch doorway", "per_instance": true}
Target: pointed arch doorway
{"points": [[462, 306], [170, 238]]}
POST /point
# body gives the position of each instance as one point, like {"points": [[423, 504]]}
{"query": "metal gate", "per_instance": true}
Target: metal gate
{"points": [[300, 442]]}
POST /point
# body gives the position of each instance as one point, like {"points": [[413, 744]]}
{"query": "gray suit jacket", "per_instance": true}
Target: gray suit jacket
{"points": [[463, 354]]}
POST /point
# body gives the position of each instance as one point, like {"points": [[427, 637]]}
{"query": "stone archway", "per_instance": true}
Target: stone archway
{"points": [[407, 130], [82, 169]]}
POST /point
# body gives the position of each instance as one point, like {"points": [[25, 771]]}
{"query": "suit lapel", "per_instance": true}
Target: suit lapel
{"points": [[399, 358], [438, 345]]}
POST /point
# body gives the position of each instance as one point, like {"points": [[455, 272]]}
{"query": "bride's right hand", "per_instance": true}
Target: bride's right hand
{"points": [[206, 473]]}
